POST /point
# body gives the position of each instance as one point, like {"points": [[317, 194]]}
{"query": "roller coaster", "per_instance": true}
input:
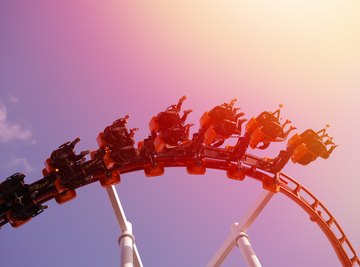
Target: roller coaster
{"points": [[169, 145]]}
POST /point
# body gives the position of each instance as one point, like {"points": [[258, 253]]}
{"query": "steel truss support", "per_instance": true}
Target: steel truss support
{"points": [[238, 230], [129, 254]]}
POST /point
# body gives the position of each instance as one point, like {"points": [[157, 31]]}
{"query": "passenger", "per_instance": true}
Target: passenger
{"points": [[171, 128]]}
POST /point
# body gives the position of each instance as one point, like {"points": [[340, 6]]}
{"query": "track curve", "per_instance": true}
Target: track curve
{"points": [[324, 219], [290, 188], [220, 159], [168, 145]]}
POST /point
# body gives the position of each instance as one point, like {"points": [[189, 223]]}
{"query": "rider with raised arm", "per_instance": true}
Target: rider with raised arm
{"points": [[120, 141], [220, 123], [266, 128], [168, 129]]}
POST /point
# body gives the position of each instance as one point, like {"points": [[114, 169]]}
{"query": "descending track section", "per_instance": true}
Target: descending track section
{"points": [[169, 145], [321, 215]]}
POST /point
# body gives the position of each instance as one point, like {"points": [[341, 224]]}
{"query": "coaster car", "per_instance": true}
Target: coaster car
{"points": [[266, 128], [64, 158], [17, 203], [311, 145], [118, 143], [168, 128], [66, 164], [220, 123]]}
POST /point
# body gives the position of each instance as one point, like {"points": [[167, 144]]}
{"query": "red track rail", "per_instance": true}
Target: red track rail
{"points": [[252, 167], [196, 156], [297, 193], [321, 215]]}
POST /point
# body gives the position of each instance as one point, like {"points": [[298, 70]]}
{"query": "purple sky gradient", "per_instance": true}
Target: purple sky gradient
{"points": [[70, 68]]}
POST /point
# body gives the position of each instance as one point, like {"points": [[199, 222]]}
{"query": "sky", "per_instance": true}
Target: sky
{"points": [[70, 68]]}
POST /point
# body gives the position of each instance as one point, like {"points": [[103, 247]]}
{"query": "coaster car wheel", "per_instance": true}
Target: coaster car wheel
{"points": [[65, 196], [269, 183], [196, 167], [233, 172], [151, 171], [14, 222], [113, 179]]}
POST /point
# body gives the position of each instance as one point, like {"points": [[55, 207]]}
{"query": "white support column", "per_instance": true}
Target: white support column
{"points": [[129, 253], [255, 210], [126, 242], [229, 243], [243, 243]]}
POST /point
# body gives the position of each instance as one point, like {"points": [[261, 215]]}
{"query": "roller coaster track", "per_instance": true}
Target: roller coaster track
{"points": [[286, 185], [321, 215], [297, 193], [20, 202]]}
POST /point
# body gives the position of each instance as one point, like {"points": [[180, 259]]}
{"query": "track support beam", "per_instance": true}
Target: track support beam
{"points": [[238, 228], [129, 254], [243, 243]]}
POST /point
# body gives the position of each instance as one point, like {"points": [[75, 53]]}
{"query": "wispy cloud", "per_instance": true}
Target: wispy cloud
{"points": [[14, 99], [10, 131], [21, 165]]}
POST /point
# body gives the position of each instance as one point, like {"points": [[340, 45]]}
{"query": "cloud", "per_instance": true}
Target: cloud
{"points": [[14, 99], [20, 164], [11, 131]]}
